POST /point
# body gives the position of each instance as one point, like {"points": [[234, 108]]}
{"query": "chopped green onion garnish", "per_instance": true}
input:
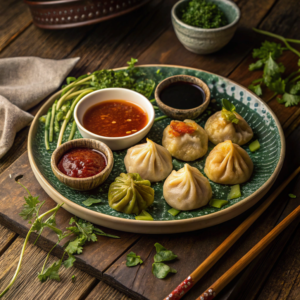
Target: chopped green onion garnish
{"points": [[217, 203], [43, 119], [292, 196], [235, 192], [254, 146], [174, 212], [144, 216]]}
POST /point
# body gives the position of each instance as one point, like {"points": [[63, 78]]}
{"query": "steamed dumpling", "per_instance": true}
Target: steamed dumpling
{"points": [[187, 189], [220, 129], [130, 194], [152, 161], [185, 140], [228, 163]]}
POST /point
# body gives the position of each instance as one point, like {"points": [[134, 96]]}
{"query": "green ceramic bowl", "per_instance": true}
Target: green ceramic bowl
{"points": [[267, 163], [205, 41]]}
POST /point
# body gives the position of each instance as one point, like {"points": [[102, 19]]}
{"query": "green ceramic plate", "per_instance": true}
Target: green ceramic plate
{"points": [[267, 163]]}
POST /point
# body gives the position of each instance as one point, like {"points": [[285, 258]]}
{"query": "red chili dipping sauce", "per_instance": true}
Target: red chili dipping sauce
{"points": [[82, 162], [115, 118], [180, 128]]}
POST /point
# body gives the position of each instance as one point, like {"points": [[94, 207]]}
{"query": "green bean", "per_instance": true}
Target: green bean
{"points": [[52, 122], [43, 119], [63, 98], [73, 130], [47, 129], [160, 118], [68, 117]]}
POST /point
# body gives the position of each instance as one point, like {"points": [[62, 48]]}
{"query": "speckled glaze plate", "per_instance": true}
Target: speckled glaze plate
{"points": [[267, 163]]}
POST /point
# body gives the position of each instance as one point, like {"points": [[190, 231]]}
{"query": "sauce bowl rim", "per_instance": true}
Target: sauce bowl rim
{"points": [[149, 122], [109, 159], [160, 103]]}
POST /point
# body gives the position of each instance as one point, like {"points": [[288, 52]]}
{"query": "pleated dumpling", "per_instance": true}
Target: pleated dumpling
{"points": [[130, 194], [187, 189], [228, 125], [185, 140], [228, 163], [152, 161]]}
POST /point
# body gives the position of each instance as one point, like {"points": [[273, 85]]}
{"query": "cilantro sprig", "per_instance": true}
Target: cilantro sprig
{"points": [[80, 232], [267, 55], [228, 110]]}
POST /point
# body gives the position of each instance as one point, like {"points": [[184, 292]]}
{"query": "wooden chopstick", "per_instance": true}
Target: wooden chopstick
{"points": [[188, 283], [218, 285]]}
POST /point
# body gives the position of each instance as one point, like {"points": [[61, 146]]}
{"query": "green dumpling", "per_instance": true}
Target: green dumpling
{"points": [[130, 194]]}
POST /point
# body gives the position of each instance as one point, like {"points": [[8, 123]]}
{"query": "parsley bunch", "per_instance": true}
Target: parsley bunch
{"points": [[81, 232], [267, 55]]}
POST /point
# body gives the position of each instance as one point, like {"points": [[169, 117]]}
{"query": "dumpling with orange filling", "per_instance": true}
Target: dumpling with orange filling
{"points": [[185, 140]]}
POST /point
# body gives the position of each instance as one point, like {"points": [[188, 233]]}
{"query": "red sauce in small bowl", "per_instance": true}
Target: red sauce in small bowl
{"points": [[82, 162], [115, 118]]}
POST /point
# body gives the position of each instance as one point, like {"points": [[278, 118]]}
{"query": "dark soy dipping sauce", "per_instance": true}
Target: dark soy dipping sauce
{"points": [[182, 95]]}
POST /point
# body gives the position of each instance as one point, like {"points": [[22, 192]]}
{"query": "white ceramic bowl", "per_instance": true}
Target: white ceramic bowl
{"points": [[114, 143]]}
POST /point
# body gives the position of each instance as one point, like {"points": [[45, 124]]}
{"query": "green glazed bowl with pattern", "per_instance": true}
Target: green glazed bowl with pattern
{"points": [[267, 162], [202, 40]]}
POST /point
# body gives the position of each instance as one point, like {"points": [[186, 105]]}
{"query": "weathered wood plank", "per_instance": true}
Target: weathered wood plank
{"points": [[14, 19], [105, 292], [27, 285], [97, 256], [6, 238]]}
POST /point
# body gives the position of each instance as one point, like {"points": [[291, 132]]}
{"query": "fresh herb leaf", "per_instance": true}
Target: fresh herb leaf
{"points": [[51, 272], [257, 65], [69, 261], [266, 49], [70, 79], [162, 254], [31, 207], [159, 247], [161, 270], [289, 99], [90, 201], [73, 278], [292, 196], [255, 88], [277, 86], [272, 70], [132, 260], [102, 233], [228, 105]]}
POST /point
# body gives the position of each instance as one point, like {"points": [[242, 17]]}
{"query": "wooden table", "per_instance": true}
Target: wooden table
{"points": [[147, 34]]}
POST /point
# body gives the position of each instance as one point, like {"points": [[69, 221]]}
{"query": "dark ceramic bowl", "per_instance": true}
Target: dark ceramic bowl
{"points": [[182, 114], [59, 14]]}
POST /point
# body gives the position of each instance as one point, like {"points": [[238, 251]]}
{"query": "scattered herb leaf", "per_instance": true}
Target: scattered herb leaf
{"points": [[73, 278], [292, 196], [132, 259], [161, 270]]}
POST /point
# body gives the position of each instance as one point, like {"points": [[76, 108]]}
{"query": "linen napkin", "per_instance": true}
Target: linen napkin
{"points": [[24, 82]]}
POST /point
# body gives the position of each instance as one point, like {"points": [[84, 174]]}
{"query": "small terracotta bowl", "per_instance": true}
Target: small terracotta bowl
{"points": [[182, 114], [88, 183]]}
